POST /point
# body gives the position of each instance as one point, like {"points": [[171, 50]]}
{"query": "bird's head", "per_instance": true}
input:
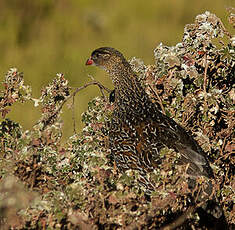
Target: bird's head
{"points": [[109, 59]]}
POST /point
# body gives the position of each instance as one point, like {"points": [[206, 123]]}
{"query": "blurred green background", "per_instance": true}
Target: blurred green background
{"points": [[45, 37]]}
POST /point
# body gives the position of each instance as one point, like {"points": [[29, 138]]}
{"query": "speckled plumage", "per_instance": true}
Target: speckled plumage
{"points": [[138, 129]]}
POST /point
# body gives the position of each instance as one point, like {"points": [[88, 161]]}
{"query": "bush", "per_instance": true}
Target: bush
{"points": [[75, 185]]}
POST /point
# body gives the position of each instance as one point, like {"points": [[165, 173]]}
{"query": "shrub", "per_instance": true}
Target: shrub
{"points": [[46, 183]]}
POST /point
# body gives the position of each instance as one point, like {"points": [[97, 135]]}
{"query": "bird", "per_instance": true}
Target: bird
{"points": [[139, 130]]}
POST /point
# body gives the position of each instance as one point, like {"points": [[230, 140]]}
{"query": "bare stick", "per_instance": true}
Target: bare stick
{"points": [[73, 116]]}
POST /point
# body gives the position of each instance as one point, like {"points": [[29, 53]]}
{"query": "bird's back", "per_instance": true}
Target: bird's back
{"points": [[139, 130]]}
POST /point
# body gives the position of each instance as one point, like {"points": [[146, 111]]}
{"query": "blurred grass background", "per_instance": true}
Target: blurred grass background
{"points": [[45, 37]]}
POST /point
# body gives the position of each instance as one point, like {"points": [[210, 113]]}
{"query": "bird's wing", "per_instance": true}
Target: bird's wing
{"points": [[175, 136], [134, 146]]}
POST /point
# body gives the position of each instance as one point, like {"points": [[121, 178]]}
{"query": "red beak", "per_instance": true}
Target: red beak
{"points": [[89, 61]]}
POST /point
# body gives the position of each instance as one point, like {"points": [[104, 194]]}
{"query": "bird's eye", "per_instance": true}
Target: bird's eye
{"points": [[97, 55], [100, 56], [94, 56]]}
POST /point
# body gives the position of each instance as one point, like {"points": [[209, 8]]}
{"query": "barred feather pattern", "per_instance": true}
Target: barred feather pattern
{"points": [[138, 129]]}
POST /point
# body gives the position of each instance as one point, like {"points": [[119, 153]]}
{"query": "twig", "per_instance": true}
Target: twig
{"points": [[73, 116], [222, 148], [100, 85], [102, 88], [205, 80], [222, 155], [159, 99], [224, 29], [186, 118]]}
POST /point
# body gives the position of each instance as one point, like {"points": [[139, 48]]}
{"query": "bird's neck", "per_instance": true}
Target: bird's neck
{"points": [[129, 93], [128, 87]]}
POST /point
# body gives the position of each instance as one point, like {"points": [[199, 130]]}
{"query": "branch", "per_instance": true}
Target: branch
{"points": [[205, 80], [73, 116], [159, 99], [56, 112]]}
